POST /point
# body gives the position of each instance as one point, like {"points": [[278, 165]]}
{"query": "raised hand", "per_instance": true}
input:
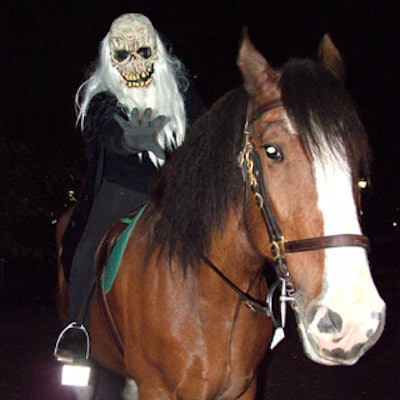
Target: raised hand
{"points": [[140, 134]]}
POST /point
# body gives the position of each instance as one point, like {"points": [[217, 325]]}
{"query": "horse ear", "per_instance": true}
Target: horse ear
{"points": [[256, 72], [330, 57]]}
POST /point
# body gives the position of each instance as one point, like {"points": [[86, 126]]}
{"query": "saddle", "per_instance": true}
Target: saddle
{"points": [[106, 263], [112, 246]]}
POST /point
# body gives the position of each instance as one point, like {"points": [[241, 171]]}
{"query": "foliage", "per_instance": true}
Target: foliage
{"points": [[36, 178]]}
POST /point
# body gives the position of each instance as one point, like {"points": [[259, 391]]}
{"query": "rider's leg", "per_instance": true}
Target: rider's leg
{"points": [[111, 203]]}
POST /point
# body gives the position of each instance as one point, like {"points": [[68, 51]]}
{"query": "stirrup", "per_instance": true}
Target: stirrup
{"points": [[72, 349]]}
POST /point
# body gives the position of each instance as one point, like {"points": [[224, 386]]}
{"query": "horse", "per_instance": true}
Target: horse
{"points": [[266, 178]]}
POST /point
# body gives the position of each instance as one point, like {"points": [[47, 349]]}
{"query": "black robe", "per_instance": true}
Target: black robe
{"points": [[125, 169]]}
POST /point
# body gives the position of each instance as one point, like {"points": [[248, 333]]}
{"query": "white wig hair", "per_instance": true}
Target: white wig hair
{"points": [[163, 96]]}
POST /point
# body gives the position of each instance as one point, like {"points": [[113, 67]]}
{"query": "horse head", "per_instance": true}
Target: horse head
{"points": [[309, 145]]}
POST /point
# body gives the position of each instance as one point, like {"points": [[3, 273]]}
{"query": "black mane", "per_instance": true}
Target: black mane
{"points": [[322, 112], [202, 179]]}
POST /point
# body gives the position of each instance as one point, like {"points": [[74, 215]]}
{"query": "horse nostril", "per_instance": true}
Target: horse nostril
{"points": [[331, 322]]}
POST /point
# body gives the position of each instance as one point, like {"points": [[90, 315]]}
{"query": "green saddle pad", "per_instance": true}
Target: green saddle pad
{"points": [[114, 261]]}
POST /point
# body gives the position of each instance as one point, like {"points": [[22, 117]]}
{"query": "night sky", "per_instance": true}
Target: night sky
{"points": [[47, 48]]}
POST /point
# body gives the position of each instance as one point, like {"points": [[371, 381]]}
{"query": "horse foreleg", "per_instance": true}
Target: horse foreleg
{"points": [[250, 393], [151, 393]]}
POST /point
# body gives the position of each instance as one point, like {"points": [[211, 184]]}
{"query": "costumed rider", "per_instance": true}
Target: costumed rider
{"points": [[133, 111]]}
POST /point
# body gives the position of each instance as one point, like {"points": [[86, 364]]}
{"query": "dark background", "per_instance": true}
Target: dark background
{"points": [[46, 50]]}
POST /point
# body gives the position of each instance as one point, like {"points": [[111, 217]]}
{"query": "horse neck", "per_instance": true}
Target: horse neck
{"points": [[234, 254]]}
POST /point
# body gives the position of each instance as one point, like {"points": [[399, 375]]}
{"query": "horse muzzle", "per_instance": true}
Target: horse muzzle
{"points": [[331, 339]]}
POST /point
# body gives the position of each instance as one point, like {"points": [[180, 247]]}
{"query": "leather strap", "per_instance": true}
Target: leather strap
{"points": [[254, 176], [110, 320], [103, 252], [274, 103], [325, 242]]}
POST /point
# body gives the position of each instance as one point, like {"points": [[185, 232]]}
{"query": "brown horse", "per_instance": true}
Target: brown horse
{"points": [[268, 176]]}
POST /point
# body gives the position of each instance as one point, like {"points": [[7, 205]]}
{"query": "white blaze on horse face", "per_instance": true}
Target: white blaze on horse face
{"points": [[348, 317]]}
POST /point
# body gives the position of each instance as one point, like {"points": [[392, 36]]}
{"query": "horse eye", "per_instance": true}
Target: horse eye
{"points": [[121, 55], [274, 152], [145, 52]]}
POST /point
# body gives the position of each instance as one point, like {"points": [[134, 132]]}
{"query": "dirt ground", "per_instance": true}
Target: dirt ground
{"points": [[29, 328]]}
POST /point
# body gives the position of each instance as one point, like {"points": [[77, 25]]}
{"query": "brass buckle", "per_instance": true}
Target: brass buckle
{"points": [[278, 248]]}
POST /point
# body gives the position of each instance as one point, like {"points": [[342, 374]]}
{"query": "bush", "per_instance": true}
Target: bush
{"points": [[36, 179]]}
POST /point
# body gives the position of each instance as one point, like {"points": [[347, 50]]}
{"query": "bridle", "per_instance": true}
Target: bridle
{"points": [[250, 163]]}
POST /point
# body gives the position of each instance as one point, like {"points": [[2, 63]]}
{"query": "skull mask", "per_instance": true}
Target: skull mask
{"points": [[133, 49]]}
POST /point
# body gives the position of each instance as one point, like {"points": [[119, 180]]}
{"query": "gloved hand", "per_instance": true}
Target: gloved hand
{"points": [[140, 134]]}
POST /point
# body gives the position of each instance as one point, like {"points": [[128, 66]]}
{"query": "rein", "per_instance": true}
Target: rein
{"points": [[247, 300]]}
